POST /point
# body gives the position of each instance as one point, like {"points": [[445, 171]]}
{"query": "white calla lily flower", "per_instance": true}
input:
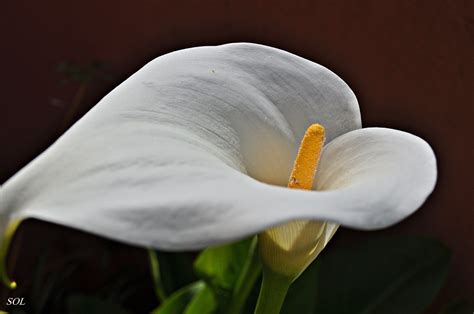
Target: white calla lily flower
{"points": [[196, 148]]}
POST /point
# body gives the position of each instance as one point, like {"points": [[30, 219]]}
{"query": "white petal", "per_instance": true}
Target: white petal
{"points": [[373, 178], [161, 160], [382, 174]]}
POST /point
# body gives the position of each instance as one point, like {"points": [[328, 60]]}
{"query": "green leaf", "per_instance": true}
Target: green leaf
{"points": [[79, 304], [175, 271], [220, 266], [459, 307], [244, 285], [156, 275], [393, 275], [178, 301], [204, 302]]}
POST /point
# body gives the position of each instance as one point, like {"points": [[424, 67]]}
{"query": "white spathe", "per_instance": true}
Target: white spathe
{"points": [[194, 148]]}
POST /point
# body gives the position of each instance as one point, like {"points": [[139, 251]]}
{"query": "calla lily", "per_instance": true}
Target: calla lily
{"points": [[196, 149]]}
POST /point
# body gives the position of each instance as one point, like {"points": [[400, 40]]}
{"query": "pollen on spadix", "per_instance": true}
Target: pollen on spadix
{"points": [[306, 161]]}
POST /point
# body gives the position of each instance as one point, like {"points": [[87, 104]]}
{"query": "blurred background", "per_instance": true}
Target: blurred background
{"points": [[410, 63]]}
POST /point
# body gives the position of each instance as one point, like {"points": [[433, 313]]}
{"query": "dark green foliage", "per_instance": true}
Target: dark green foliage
{"points": [[392, 275], [176, 270], [220, 266], [178, 301]]}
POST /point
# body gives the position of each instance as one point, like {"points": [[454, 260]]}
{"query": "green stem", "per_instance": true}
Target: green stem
{"points": [[156, 275], [249, 274], [272, 293], [4, 248]]}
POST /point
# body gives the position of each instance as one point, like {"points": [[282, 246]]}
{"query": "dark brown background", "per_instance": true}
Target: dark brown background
{"points": [[410, 63]]}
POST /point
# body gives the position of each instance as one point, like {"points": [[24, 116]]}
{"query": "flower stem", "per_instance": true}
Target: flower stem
{"points": [[272, 293], [4, 249], [249, 274], [156, 275]]}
